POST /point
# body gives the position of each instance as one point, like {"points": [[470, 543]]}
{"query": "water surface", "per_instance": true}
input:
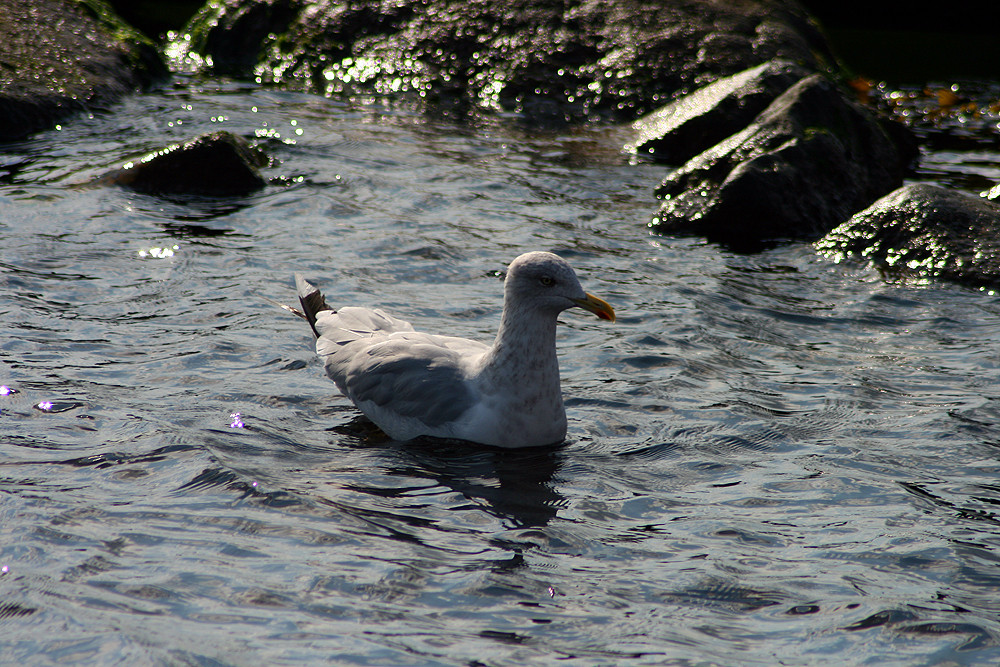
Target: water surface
{"points": [[772, 458]]}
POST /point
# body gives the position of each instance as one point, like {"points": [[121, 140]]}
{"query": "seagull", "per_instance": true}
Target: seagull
{"points": [[413, 384]]}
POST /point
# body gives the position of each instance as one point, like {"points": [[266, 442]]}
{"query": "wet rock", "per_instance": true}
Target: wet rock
{"points": [[695, 122], [807, 162], [925, 231], [59, 57], [542, 58], [216, 164]]}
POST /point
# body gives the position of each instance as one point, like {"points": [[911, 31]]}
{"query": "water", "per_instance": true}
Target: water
{"points": [[772, 458]]}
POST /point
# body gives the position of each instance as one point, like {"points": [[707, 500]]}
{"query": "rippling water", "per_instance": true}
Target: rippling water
{"points": [[772, 458]]}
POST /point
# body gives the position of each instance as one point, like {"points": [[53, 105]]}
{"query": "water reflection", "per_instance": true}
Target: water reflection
{"points": [[515, 486]]}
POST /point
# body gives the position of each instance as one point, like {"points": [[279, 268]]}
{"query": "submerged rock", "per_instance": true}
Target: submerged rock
{"points": [[215, 164], [542, 58], [59, 57], [807, 162], [925, 231]]}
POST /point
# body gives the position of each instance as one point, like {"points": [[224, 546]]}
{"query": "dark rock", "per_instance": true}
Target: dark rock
{"points": [[216, 164], [926, 231], [232, 34], [155, 18], [809, 161], [693, 123], [542, 58], [59, 57]]}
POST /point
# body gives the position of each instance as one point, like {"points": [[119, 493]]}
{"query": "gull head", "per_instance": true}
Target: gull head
{"points": [[545, 282]]}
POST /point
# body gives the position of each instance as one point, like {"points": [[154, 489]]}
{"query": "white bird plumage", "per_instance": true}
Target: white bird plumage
{"points": [[415, 384]]}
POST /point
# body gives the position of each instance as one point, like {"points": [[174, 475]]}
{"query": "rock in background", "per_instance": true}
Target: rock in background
{"points": [[544, 59], [759, 164], [925, 231], [743, 101], [808, 161], [694, 123], [59, 57], [217, 164]]}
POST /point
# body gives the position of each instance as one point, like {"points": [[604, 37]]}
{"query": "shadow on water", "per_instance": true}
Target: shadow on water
{"points": [[190, 216], [514, 486]]}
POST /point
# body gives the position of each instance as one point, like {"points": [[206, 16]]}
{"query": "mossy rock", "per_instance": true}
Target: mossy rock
{"points": [[61, 57]]}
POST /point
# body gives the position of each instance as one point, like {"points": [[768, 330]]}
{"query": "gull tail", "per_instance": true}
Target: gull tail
{"points": [[311, 300]]}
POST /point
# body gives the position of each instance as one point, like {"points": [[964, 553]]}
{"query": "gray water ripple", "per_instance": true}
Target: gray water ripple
{"points": [[771, 458]]}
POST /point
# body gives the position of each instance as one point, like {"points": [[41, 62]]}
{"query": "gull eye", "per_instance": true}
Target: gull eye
{"points": [[547, 281]]}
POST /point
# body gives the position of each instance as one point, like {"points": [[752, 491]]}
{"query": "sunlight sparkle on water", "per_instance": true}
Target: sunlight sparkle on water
{"points": [[159, 253]]}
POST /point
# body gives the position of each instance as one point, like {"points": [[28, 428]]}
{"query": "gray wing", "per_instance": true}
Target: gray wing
{"points": [[413, 375], [353, 323], [376, 359]]}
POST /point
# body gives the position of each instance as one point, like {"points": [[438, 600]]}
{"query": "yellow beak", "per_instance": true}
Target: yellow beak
{"points": [[598, 307]]}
